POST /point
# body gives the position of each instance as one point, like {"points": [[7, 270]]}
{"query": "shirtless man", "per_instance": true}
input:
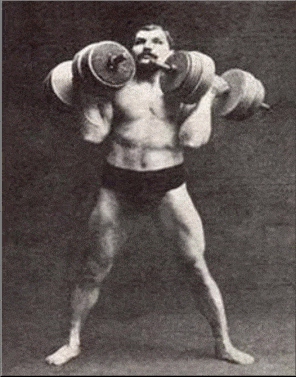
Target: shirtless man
{"points": [[144, 171]]}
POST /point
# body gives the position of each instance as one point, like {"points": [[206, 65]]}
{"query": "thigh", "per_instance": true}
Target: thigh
{"points": [[111, 222], [179, 216], [109, 227]]}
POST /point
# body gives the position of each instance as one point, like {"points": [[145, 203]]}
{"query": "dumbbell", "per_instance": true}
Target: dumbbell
{"points": [[188, 75], [105, 65], [99, 68], [243, 95]]}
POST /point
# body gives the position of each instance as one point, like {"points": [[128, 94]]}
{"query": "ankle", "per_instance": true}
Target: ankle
{"points": [[222, 343], [74, 345]]}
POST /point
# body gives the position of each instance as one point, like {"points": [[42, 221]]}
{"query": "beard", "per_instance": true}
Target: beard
{"points": [[147, 68]]}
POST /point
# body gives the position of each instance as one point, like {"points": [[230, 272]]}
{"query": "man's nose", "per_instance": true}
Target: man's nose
{"points": [[146, 50], [147, 46]]}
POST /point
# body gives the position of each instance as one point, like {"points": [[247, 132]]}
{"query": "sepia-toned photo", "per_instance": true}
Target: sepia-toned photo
{"points": [[148, 188]]}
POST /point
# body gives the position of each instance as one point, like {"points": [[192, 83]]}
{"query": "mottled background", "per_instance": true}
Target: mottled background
{"points": [[242, 182]]}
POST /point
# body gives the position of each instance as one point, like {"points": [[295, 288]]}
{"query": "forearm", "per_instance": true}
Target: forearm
{"points": [[196, 129]]}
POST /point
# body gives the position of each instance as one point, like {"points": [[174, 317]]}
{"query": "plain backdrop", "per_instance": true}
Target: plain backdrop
{"points": [[242, 181]]}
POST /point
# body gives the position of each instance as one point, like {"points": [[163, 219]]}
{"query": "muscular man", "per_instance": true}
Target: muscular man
{"points": [[147, 132]]}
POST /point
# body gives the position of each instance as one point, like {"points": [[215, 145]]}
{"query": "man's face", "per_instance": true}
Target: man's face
{"points": [[151, 45]]}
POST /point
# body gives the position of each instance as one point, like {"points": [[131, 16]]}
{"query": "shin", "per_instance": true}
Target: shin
{"points": [[210, 304], [85, 296], [82, 302], [209, 300]]}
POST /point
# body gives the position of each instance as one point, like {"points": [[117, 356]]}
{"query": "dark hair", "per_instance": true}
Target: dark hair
{"points": [[150, 27]]}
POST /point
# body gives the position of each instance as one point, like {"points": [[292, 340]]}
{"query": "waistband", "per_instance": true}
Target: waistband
{"points": [[132, 181]]}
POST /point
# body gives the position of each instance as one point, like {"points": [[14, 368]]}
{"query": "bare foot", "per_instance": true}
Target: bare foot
{"points": [[233, 355], [63, 355]]}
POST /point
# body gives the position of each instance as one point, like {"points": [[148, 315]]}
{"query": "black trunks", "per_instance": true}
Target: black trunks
{"points": [[143, 188]]}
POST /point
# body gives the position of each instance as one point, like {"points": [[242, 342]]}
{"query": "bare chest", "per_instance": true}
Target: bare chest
{"points": [[144, 101]]}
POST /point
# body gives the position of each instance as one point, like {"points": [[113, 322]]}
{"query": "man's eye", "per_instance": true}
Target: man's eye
{"points": [[139, 41], [158, 41]]}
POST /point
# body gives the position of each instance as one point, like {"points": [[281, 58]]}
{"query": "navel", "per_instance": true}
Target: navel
{"points": [[152, 110], [143, 164]]}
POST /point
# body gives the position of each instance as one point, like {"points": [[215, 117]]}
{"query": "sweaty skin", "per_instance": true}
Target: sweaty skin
{"points": [[148, 131]]}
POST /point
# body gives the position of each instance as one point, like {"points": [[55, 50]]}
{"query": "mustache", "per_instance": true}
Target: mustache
{"points": [[149, 54]]}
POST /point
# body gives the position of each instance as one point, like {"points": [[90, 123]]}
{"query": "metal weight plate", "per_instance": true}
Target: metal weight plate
{"points": [[203, 73], [253, 100], [99, 63], [171, 81], [236, 81], [192, 77], [59, 82], [77, 62], [236, 104], [245, 109], [188, 89], [259, 95]]}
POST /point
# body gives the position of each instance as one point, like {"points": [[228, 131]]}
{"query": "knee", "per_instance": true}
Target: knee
{"points": [[194, 258], [198, 274], [94, 272], [100, 225], [193, 245], [196, 263], [84, 297], [104, 216]]}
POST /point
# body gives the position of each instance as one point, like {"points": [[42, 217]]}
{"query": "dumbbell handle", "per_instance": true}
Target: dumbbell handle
{"points": [[166, 67], [115, 60], [228, 89], [265, 106]]}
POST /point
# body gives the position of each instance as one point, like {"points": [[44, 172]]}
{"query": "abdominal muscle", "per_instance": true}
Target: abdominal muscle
{"points": [[145, 144]]}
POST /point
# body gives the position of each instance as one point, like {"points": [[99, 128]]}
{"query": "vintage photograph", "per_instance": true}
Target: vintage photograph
{"points": [[148, 188]]}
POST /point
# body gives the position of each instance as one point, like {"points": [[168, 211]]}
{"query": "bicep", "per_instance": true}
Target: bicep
{"points": [[95, 110], [96, 119], [201, 109], [185, 111], [196, 128], [106, 112]]}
